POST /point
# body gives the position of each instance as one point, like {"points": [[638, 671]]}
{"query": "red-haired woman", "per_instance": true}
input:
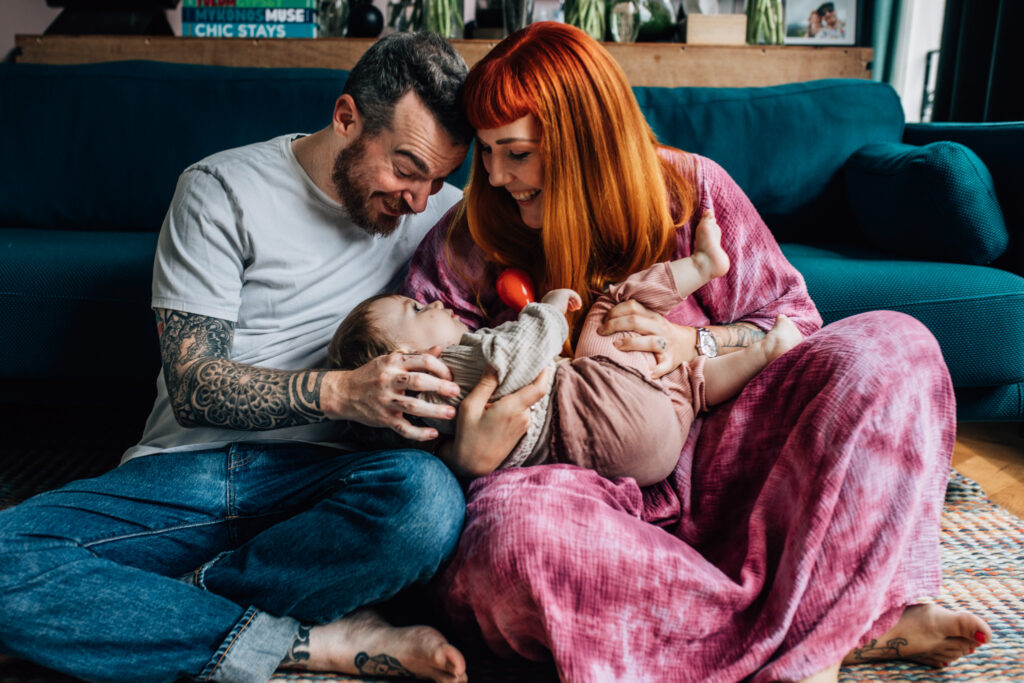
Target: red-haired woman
{"points": [[802, 521]]}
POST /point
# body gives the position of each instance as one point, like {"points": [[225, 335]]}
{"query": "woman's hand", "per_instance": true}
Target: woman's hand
{"points": [[375, 394], [671, 344], [486, 432]]}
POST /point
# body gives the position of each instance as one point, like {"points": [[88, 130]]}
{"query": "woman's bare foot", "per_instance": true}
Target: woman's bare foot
{"points": [[708, 256], [781, 338], [829, 675], [928, 634], [363, 643]]}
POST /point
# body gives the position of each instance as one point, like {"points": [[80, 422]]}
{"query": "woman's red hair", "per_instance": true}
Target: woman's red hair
{"points": [[607, 193]]}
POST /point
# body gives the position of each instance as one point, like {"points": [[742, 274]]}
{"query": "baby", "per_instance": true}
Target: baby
{"points": [[602, 410]]}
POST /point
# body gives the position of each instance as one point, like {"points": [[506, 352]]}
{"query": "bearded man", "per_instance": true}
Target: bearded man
{"points": [[247, 530]]}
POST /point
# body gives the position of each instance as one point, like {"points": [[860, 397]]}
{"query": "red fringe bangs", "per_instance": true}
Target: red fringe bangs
{"points": [[495, 95]]}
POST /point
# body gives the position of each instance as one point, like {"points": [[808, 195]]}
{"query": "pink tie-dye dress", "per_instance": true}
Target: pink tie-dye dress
{"points": [[803, 515]]}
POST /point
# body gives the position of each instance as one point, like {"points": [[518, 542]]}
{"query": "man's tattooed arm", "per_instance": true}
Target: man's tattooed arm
{"points": [[208, 389]]}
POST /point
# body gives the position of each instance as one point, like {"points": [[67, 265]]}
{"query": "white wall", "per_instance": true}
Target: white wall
{"points": [[920, 31], [31, 17], [23, 16]]}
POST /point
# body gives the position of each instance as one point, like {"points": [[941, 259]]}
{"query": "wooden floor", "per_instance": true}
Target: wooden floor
{"points": [[992, 454]]}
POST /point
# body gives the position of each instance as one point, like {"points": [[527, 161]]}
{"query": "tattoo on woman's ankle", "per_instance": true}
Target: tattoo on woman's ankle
{"points": [[873, 651]]}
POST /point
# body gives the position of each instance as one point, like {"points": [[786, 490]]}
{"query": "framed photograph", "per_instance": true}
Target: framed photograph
{"points": [[813, 22]]}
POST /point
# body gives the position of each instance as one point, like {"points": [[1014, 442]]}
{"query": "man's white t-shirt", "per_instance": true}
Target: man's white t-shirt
{"points": [[251, 239]]}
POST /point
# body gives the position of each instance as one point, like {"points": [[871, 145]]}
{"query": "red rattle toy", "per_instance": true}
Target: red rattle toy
{"points": [[515, 288]]}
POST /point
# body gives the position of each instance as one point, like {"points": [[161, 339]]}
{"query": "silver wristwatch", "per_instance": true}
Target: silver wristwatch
{"points": [[707, 345]]}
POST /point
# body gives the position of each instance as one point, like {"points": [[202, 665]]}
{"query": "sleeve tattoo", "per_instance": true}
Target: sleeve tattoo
{"points": [[206, 388]]}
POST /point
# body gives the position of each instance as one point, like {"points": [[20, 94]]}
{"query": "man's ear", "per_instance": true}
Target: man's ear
{"points": [[347, 121]]}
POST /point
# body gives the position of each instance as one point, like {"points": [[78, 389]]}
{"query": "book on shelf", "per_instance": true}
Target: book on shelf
{"points": [[249, 15], [306, 4], [225, 29]]}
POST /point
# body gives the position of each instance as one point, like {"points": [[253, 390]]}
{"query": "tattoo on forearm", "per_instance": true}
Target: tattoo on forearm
{"points": [[738, 334], [381, 665], [207, 388], [298, 653], [873, 651]]}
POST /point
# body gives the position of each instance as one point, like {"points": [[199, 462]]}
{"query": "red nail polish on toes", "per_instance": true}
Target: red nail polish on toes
{"points": [[981, 637]]}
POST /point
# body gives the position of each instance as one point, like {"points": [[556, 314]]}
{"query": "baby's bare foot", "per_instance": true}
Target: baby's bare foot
{"points": [[708, 254], [781, 338], [363, 643], [928, 634]]}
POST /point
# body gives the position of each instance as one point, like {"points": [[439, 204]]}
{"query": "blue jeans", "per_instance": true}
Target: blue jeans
{"points": [[269, 536]]}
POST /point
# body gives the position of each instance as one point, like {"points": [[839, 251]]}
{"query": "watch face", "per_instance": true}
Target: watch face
{"points": [[708, 345]]}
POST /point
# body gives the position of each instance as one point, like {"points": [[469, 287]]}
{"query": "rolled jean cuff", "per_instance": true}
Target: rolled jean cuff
{"points": [[253, 649]]}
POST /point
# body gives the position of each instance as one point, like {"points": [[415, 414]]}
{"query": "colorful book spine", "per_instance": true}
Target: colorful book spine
{"points": [[224, 29], [248, 15], [307, 4]]}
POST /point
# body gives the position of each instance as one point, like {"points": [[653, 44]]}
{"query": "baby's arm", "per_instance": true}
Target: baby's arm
{"points": [[519, 350], [563, 299]]}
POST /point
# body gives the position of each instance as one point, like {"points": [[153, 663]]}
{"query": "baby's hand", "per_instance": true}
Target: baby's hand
{"points": [[563, 300]]}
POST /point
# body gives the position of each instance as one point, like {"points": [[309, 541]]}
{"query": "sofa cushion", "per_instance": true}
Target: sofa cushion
{"points": [[1000, 146], [785, 145], [100, 146], [973, 311], [936, 201], [75, 307]]}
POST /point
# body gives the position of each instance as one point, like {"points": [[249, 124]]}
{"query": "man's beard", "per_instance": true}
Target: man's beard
{"points": [[351, 185]]}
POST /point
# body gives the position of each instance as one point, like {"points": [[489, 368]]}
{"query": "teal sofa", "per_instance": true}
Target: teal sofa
{"points": [[91, 154]]}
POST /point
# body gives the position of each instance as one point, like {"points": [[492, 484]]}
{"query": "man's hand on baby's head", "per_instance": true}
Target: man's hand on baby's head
{"points": [[382, 392], [563, 299]]}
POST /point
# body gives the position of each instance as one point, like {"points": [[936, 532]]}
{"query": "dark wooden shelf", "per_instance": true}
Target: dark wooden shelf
{"points": [[652, 64]]}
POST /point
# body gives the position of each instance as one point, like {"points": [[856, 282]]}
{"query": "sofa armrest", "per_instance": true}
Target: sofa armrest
{"points": [[1001, 147]]}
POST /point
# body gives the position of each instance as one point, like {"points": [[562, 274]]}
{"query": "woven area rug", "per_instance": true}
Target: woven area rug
{"points": [[982, 552]]}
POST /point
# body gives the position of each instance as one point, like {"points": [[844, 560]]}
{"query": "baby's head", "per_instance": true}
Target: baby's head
{"points": [[388, 322]]}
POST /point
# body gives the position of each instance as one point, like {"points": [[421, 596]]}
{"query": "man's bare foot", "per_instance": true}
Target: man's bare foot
{"points": [[781, 338], [927, 634], [363, 643], [708, 256]]}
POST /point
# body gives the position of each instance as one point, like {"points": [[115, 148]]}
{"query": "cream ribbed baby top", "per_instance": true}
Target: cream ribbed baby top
{"points": [[518, 350]]}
